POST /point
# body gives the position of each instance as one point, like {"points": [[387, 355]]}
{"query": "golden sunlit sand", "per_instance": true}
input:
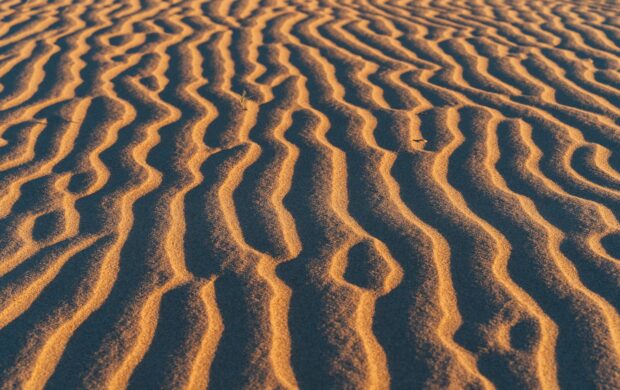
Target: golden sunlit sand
{"points": [[333, 194]]}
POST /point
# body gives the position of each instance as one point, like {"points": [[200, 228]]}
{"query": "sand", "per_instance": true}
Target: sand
{"points": [[333, 194]]}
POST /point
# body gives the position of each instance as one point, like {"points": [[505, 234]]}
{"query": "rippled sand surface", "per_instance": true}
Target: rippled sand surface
{"points": [[332, 194]]}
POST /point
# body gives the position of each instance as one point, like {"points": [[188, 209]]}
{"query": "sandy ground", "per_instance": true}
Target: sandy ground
{"points": [[328, 194]]}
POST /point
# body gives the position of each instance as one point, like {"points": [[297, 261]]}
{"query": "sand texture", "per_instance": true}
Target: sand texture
{"points": [[321, 194]]}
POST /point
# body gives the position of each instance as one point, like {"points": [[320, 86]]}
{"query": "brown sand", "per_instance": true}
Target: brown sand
{"points": [[309, 194]]}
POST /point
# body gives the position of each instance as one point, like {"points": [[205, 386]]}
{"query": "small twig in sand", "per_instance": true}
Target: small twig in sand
{"points": [[243, 100]]}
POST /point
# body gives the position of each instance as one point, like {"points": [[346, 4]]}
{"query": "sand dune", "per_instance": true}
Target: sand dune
{"points": [[309, 194]]}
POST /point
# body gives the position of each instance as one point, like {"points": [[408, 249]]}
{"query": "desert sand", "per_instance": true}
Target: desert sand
{"points": [[333, 194]]}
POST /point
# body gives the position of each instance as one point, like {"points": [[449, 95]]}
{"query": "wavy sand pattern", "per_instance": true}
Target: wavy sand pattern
{"points": [[309, 194]]}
